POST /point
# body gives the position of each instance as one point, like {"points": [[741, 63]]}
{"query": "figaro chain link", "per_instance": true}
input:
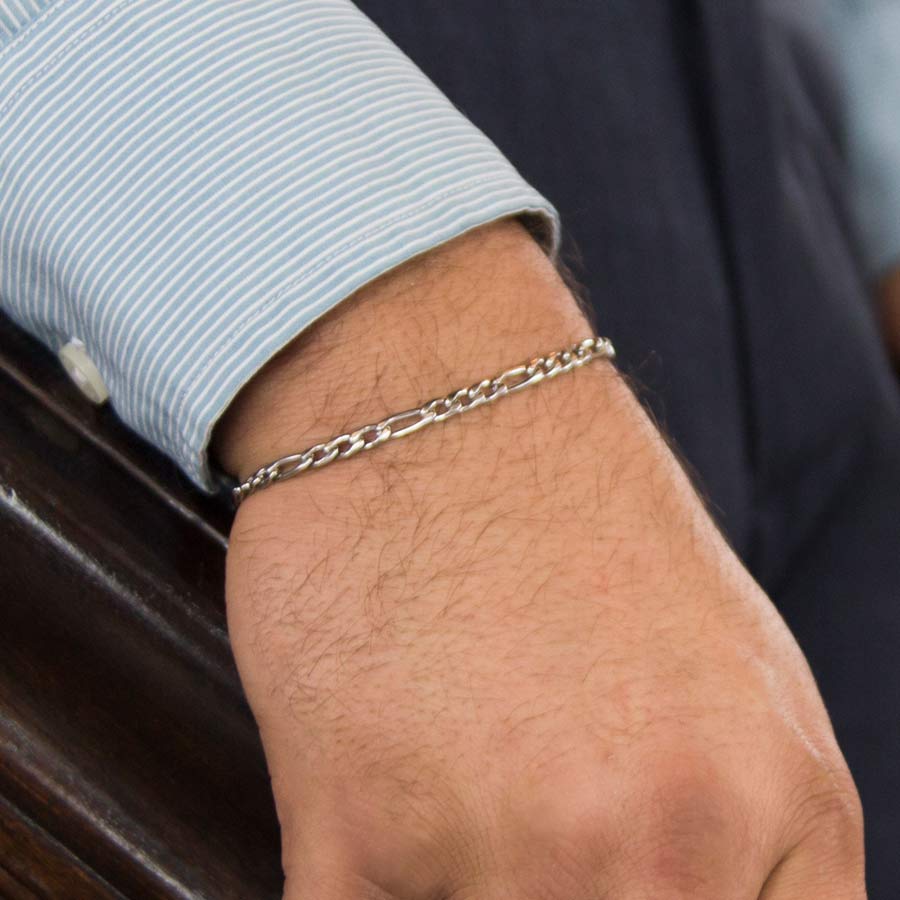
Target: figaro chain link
{"points": [[401, 424]]}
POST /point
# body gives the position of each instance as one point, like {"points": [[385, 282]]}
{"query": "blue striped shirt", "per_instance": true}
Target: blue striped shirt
{"points": [[185, 187]]}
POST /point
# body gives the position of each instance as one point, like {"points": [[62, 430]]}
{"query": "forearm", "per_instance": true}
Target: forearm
{"points": [[452, 316], [578, 448]]}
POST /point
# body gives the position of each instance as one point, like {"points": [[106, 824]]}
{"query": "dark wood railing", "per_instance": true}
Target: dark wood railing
{"points": [[130, 765]]}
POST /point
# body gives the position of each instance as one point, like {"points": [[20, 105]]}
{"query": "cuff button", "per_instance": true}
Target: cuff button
{"points": [[83, 372]]}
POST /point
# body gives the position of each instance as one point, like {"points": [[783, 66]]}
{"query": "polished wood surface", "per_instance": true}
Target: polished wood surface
{"points": [[130, 765]]}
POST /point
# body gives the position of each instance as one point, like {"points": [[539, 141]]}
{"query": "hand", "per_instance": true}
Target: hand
{"points": [[510, 656]]}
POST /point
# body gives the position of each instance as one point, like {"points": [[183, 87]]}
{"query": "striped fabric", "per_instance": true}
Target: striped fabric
{"points": [[185, 186], [16, 14]]}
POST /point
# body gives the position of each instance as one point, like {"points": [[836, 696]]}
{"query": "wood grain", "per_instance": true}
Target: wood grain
{"points": [[130, 765]]}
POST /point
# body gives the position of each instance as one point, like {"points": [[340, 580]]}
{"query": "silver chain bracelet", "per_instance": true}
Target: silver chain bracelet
{"points": [[404, 423]]}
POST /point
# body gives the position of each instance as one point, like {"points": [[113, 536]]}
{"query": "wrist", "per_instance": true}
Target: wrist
{"points": [[453, 316]]}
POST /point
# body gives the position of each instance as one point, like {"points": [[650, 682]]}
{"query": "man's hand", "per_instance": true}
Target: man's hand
{"points": [[510, 656]]}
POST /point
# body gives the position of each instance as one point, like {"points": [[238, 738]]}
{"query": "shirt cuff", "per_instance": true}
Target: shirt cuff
{"points": [[187, 186]]}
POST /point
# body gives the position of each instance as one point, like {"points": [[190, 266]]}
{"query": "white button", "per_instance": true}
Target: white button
{"points": [[83, 372]]}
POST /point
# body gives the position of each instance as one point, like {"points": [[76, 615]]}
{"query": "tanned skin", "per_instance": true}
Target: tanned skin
{"points": [[510, 657]]}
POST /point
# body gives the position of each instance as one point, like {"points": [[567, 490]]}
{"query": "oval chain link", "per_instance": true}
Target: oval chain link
{"points": [[346, 445]]}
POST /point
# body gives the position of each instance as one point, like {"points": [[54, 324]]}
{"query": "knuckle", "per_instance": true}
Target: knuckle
{"points": [[562, 831], [677, 826], [829, 813], [690, 798], [570, 812], [693, 832]]}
